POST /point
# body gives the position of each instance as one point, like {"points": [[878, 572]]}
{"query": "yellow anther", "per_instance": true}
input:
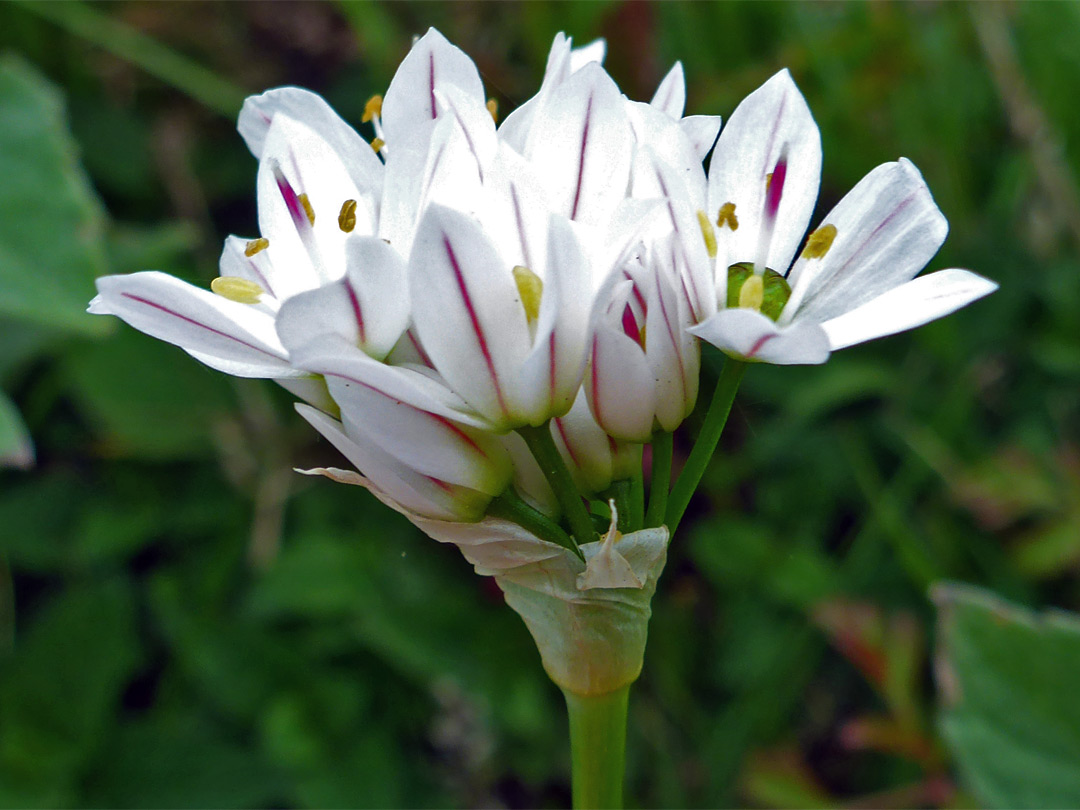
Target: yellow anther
{"points": [[752, 293], [236, 289], [255, 245], [531, 289], [372, 108], [493, 108], [768, 180], [377, 144], [708, 233], [346, 220], [727, 217], [304, 201], [819, 242]]}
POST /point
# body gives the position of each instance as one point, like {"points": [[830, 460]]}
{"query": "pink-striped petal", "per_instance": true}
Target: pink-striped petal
{"points": [[393, 482], [887, 229], [671, 351], [411, 100], [772, 118], [702, 131], [468, 314], [749, 335], [356, 154], [231, 337], [670, 96], [920, 301], [551, 374], [583, 151], [369, 308]]}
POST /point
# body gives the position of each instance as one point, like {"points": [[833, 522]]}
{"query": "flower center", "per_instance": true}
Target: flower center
{"points": [[767, 292]]}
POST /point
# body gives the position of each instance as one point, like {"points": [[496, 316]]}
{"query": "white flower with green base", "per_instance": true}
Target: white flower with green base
{"points": [[491, 323]]}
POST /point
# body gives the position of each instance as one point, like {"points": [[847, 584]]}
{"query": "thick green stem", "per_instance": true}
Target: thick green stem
{"points": [[547, 456], [707, 439], [509, 506], [660, 481], [598, 748]]}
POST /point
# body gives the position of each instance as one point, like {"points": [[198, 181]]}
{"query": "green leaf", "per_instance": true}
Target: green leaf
{"points": [[51, 244], [59, 696], [16, 449], [1010, 709]]}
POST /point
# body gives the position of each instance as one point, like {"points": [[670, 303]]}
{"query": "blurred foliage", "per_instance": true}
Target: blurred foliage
{"points": [[185, 623]]}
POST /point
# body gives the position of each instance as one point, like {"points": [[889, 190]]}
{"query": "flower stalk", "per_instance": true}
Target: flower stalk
{"points": [[705, 445], [543, 448], [597, 748], [662, 448]]}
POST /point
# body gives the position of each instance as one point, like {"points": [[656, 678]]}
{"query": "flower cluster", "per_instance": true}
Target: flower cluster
{"points": [[465, 306]]}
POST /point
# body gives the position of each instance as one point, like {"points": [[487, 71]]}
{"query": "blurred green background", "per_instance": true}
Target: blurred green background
{"points": [[184, 622]]}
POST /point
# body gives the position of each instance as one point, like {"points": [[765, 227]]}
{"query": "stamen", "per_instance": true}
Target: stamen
{"points": [[493, 108], [752, 293], [819, 242], [256, 246], [531, 289], [708, 233], [727, 216], [372, 109], [236, 289], [304, 201], [377, 144], [774, 189], [297, 205], [347, 218]]}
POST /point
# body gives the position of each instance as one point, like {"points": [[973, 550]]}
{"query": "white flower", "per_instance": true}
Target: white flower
{"points": [[853, 280]]}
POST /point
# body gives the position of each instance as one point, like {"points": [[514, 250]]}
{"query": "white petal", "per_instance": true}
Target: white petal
{"points": [[447, 175], [666, 139], [595, 51], [912, 304], [771, 117], [670, 96], [475, 122], [234, 338], [887, 229], [410, 100], [620, 385], [584, 446], [702, 131], [302, 105], [515, 211], [306, 254], [583, 151], [672, 352], [333, 357], [492, 545], [257, 267], [392, 481], [551, 374], [388, 406], [468, 314], [369, 308], [749, 335], [653, 177]]}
